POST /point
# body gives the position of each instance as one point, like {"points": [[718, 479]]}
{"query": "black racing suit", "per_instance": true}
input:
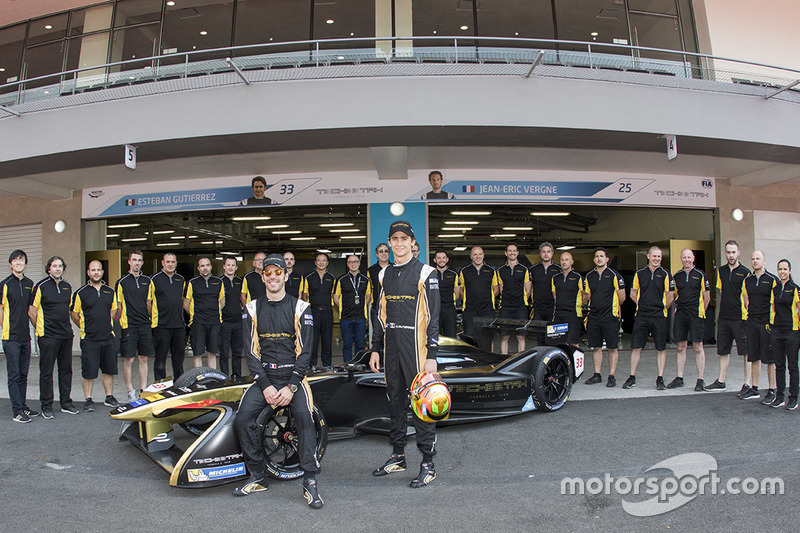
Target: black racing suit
{"points": [[278, 353], [407, 332]]}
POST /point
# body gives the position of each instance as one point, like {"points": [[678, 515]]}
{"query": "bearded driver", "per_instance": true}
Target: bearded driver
{"points": [[279, 330], [407, 332]]}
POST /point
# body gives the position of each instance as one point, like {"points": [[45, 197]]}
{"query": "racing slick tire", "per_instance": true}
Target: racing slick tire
{"points": [[279, 441], [200, 374], [551, 379]]}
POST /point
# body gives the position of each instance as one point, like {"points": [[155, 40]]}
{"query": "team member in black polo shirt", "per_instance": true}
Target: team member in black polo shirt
{"points": [[785, 335], [133, 312], [295, 283], [252, 285], [757, 298], [94, 306], [449, 291], [604, 289], [479, 287], [203, 301], [15, 295], [231, 329], [352, 294], [653, 291], [541, 275], [515, 285], [692, 294], [169, 330], [730, 323], [319, 293], [49, 313], [568, 298], [382, 253]]}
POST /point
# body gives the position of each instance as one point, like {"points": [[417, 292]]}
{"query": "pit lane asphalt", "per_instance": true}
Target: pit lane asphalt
{"points": [[72, 474]]}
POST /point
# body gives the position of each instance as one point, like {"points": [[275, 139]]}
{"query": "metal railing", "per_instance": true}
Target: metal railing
{"points": [[474, 55]]}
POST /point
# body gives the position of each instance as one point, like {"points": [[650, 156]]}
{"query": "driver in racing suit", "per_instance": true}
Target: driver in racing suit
{"points": [[279, 333], [407, 332]]}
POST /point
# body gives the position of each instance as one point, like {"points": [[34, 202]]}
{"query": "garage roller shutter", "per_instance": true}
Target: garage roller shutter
{"points": [[28, 238]]}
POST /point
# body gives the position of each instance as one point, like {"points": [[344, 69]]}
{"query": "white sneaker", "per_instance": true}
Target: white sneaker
{"points": [[132, 396]]}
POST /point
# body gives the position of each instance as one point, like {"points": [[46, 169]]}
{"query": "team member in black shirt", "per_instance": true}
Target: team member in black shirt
{"points": [[203, 302], [94, 306], [730, 323], [15, 296], [604, 290], [449, 291], [479, 287], [295, 283], [568, 298], [692, 294], [319, 293], [252, 285], [514, 288], [49, 313], [785, 335], [169, 331], [541, 275], [352, 294], [653, 291], [231, 329], [757, 298], [133, 312]]}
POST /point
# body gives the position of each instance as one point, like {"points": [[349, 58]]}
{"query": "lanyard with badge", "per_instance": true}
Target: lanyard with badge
{"points": [[356, 285]]}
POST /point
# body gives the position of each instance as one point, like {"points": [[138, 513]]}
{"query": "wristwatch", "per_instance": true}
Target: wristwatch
{"points": [[292, 387]]}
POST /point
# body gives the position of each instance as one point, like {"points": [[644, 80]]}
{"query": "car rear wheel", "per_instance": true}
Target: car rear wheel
{"points": [[200, 375], [552, 379], [280, 443]]}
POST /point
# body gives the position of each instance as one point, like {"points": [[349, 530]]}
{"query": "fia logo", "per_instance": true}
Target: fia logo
{"points": [[707, 184]]}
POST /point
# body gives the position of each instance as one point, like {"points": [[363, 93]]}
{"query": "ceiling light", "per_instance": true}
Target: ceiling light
{"points": [[339, 57], [323, 250], [550, 214], [352, 34], [111, 235], [593, 34], [460, 222], [471, 213], [168, 244], [229, 253], [287, 232], [136, 239], [171, 3], [336, 224], [455, 228], [503, 235], [207, 242], [354, 237], [329, 21], [450, 235], [302, 238], [273, 226], [242, 219], [192, 236], [164, 232], [344, 230], [516, 34], [459, 248], [204, 32], [2, 69], [517, 228], [465, 27], [123, 226], [48, 26], [178, 237], [217, 242], [565, 248]]}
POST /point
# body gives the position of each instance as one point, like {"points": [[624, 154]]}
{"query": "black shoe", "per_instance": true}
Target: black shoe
{"points": [[22, 418], [47, 413], [427, 473], [745, 388], [253, 484], [700, 386], [395, 463], [30, 413], [630, 382], [612, 381], [675, 383], [660, 383], [88, 405], [110, 401], [791, 406], [717, 385], [778, 402], [311, 494], [768, 397], [750, 394], [69, 409], [597, 378]]}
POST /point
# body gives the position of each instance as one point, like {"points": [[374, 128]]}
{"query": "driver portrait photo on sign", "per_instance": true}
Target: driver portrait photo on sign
{"points": [[436, 180], [259, 185]]}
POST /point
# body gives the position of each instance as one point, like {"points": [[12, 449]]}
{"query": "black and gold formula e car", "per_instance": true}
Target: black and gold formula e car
{"points": [[349, 401]]}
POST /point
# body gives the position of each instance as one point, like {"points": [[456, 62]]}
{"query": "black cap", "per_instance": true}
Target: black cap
{"points": [[274, 259], [401, 225]]}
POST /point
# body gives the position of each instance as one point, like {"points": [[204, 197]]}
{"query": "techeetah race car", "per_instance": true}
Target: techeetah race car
{"points": [[203, 401]]}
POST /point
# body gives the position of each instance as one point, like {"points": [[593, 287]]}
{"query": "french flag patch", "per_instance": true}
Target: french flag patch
{"points": [[467, 188]]}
